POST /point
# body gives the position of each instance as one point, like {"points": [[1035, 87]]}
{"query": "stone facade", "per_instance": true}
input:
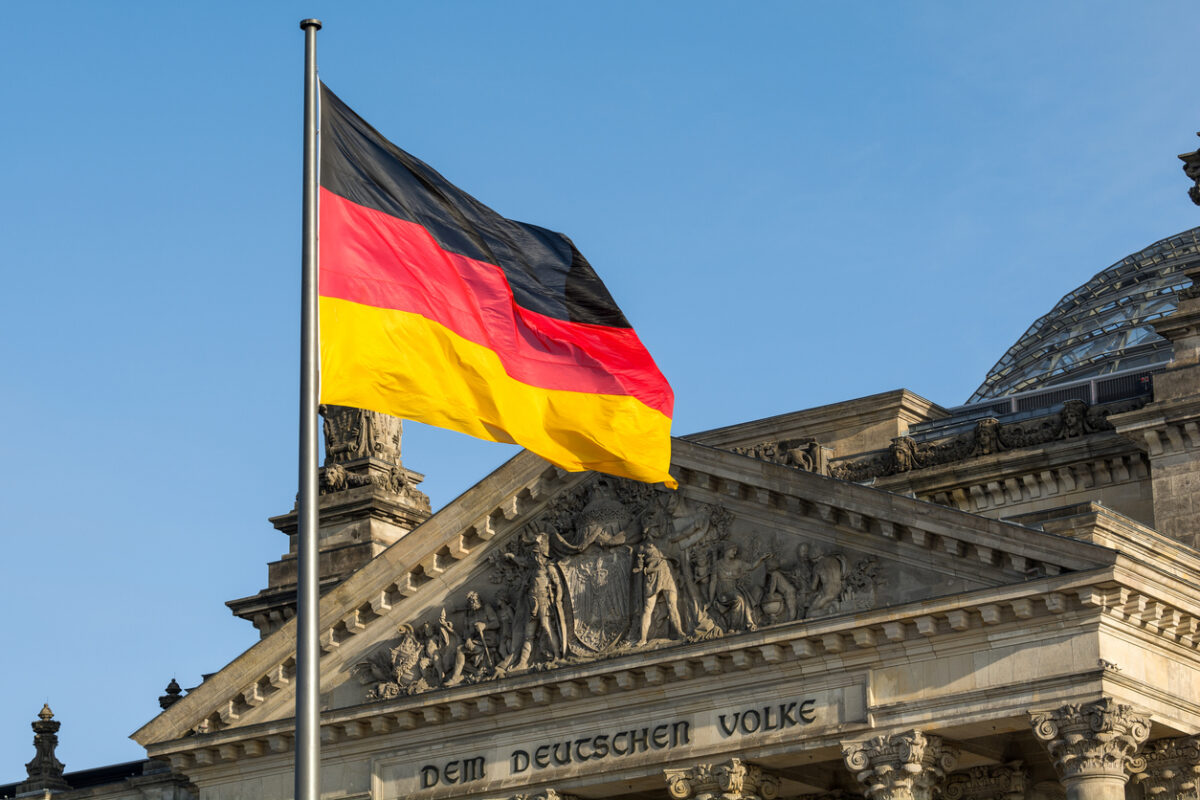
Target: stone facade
{"points": [[872, 599]]}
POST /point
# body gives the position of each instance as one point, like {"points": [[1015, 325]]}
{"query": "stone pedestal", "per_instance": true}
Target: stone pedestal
{"points": [[1093, 746], [368, 501], [901, 766]]}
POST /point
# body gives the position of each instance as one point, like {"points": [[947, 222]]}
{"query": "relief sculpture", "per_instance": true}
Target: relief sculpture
{"points": [[608, 569], [989, 437]]}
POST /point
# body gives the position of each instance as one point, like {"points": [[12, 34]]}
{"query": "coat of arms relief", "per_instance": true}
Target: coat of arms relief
{"points": [[610, 568]]}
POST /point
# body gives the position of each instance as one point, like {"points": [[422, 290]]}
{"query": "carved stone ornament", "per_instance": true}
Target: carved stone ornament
{"points": [[805, 454], [900, 766], [1172, 770], [989, 437], [546, 794], [1191, 168], [608, 568], [45, 771], [731, 780], [1098, 739], [353, 433], [998, 782]]}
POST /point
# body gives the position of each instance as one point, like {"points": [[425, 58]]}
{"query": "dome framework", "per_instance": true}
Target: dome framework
{"points": [[1102, 327]]}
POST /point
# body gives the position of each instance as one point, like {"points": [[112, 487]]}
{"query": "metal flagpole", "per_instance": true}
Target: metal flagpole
{"points": [[308, 720]]}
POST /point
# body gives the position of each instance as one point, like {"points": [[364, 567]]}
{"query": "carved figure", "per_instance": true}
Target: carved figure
{"points": [[904, 453], [657, 580], [475, 656], [829, 573], [1072, 419], [780, 600], [727, 590], [987, 438], [544, 595], [603, 521], [353, 433]]}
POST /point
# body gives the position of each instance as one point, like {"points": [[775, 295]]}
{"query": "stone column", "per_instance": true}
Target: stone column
{"points": [[1168, 769], [900, 766], [1093, 746], [730, 780]]}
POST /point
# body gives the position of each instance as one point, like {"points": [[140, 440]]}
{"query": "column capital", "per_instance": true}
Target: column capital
{"points": [[996, 782], [1091, 740], [900, 766], [1169, 768], [730, 780], [545, 794]]}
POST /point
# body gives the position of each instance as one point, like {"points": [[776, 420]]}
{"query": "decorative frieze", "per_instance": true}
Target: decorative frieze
{"points": [[545, 794], [1092, 740], [997, 782], [731, 780], [1168, 769], [900, 766]]}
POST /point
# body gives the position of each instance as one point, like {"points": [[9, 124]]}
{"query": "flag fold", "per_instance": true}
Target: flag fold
{"points": [[437, 309]]}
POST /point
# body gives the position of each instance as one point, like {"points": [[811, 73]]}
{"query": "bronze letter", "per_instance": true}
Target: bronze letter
{"points": [[729, 729], [429, 776], [450, 772], [676, 740], [565, 758], [520, 761], [600, 745], [617, 751], [786, 716], [807, 714], [660, 733], [473, 768], [747, 726], [541, 756], [579, 756]]}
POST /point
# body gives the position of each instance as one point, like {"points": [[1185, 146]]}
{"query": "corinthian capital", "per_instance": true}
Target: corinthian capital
{"points": [[901, 766], [731, 780], [999, 782], [1168, 768], [1092, 739]]}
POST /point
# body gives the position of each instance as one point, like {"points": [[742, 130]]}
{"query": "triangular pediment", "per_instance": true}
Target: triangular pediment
{"points": [[535, 572]]}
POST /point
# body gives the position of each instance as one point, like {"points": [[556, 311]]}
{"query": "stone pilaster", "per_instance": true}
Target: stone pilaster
{"points": [[1168, 769], [998, 782], [1168, 428], [730, 780], [45, 770], [1093, 746], [900, 766]]}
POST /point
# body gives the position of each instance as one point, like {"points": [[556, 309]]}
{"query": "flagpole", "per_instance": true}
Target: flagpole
{"points": [[308, 720]]}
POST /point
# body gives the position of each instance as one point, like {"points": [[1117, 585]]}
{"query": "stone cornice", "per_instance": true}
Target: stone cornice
{"points": [[1162, 428], [1018, 476], [899, 404], [848, 640], [525, 483]]}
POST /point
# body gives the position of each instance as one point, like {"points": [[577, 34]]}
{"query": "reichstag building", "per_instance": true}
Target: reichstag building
{"points": [[883, 598]]}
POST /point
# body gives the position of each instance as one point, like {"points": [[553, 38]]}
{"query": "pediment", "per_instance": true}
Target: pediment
{"points": [[535, 572]]}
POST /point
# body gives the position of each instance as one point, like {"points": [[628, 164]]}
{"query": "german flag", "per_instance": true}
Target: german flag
{"points": [[437, 309]]}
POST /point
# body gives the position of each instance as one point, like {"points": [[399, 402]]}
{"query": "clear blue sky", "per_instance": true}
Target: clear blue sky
{"points": [[794, 203]]}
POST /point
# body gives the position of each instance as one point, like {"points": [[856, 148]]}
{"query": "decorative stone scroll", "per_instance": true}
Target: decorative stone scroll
{"points": [[611, 567], [1171, 771], [989, 437], [731, 780], [900, 766], [1092, 741], [998, 782]]}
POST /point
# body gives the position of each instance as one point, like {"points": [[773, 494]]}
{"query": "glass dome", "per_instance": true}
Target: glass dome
{"points": [[1103, 326]]}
